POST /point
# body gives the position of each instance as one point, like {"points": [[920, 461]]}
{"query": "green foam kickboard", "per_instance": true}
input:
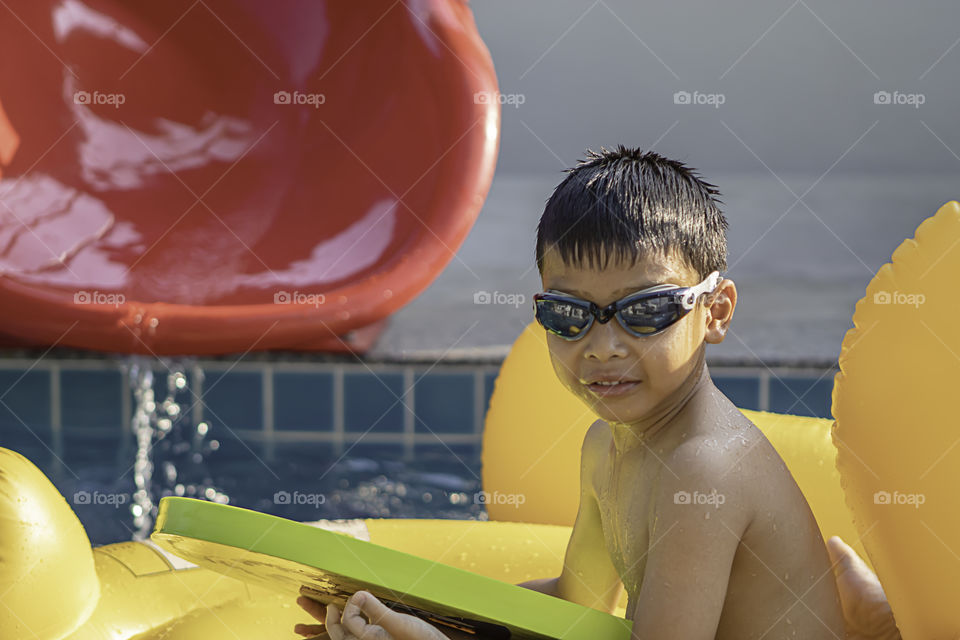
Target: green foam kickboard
{"points": [[284, 555]]}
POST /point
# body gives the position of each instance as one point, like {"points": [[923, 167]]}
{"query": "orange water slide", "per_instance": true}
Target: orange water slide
{"points": [[213, 177]]}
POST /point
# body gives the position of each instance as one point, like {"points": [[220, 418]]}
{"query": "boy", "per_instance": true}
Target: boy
{"points": [[683, 500]]}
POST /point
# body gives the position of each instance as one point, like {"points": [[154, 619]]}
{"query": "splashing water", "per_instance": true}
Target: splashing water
{"points": [[167, 439]]}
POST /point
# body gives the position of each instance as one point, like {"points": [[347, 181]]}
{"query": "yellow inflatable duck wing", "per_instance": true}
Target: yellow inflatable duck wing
{"points": [[45, 556], [897, 427], [55, 587]]}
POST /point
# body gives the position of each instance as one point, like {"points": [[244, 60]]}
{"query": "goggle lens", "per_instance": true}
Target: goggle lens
{"points": [[565, 319], [650, 315]]}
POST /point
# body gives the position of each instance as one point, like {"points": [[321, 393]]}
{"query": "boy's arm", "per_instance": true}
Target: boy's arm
{"points": [[588, 576], [691, 549]]}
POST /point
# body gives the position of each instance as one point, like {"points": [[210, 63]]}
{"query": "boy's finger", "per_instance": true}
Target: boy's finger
{"points": [[844, 558], [387, 623], [314, 608], [354, 621], [376, 611], [309, 630], [364, 603], [334, 628]]}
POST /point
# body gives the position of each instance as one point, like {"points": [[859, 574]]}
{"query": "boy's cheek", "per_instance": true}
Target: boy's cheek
{"points": [[563, 368]]}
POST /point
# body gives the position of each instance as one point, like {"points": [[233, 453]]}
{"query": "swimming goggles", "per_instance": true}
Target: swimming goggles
{"points": [[642, 313]]}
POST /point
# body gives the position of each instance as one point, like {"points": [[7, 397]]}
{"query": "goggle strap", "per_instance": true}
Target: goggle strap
{"points": [[709, 284]]}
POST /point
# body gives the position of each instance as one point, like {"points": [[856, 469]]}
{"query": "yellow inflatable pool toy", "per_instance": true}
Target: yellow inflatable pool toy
{"points": [[136, 591], [897, 423]]}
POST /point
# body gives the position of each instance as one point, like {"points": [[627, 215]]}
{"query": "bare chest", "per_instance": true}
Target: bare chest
{"points": [[624, 489]]}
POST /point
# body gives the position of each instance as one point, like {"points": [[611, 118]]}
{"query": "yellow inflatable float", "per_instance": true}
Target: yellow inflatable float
{"points": [[136, 591], [897, 429], [894, 432]]}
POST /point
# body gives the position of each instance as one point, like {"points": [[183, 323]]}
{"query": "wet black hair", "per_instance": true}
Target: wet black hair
{"points": [[625, 203]]}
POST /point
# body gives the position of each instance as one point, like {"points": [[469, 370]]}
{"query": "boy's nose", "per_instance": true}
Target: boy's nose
{"points": [[605, 340]]}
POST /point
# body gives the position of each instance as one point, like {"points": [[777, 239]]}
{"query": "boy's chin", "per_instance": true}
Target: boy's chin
{"points": [[617, 411]]}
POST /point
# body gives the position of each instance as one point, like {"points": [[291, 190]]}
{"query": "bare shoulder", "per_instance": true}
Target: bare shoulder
{"points": [[716, 461], [700, 492], [595, 442], [702, 457]]}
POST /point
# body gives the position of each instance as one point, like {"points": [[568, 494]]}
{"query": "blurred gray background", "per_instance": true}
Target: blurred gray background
{"points": [[829, 128]]}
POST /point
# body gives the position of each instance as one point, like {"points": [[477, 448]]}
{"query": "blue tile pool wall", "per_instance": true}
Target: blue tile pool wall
{"points": [[25, 412], [63, 410]]}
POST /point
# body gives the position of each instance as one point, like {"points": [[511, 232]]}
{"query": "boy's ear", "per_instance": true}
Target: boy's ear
{"points": [[720, 306]]}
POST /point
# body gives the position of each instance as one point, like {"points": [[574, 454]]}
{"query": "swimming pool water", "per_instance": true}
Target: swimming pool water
{"points": [[302, 485]]}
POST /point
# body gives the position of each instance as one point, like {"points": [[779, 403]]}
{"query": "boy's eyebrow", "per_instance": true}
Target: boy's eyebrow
{"points": [[625, 290]]}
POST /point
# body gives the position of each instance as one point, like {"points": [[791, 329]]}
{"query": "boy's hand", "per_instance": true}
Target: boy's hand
{"points": [[866, 613], [315, 609], [384, 624]]}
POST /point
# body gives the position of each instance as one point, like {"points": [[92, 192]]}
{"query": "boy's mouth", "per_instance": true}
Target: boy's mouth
{"points": [[607, 388]]}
